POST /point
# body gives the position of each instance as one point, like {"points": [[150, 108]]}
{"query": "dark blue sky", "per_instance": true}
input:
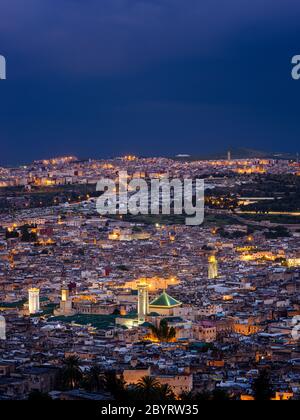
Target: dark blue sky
{"points": [[152, 77]]}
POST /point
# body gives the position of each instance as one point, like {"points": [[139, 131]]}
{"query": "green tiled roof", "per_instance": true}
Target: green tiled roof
{"points": [[165, 301]]}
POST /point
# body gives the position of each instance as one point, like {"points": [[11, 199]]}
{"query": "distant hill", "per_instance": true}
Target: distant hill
{"points": [[237, 153]]}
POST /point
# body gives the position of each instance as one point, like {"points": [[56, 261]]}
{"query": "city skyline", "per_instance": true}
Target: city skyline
{"points": [[142, 299]]}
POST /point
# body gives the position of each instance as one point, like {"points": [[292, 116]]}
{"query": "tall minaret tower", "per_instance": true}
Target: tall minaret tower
{"points": [[2, 328], [64, 293], [66, 304], [34, 300], [212, 267], [143, 302]]}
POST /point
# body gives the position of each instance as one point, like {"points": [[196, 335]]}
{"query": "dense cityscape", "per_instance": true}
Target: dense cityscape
{"points": [[107, 308]]}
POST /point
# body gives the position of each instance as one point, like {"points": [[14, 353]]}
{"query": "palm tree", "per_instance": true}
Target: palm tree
{"points": [[203, 396], [147, 388], [39, 396], [71, 373], [262, 387], [220, 395], [115, 385], [165, 393], [93, 380], [187, 396], [163, 333]]}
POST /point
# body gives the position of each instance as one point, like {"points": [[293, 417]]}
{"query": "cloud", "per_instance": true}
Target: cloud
{"points": [[107, 37]]}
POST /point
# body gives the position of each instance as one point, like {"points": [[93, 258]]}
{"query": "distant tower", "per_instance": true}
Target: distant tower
{"points": [[66, 304], [143, 302], [64, 293], [11, 260], [2, 328], [212, 267], [34, 300], [229, 156]]}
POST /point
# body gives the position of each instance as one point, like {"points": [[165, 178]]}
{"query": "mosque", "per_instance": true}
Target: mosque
{"points": [[162, 306]]}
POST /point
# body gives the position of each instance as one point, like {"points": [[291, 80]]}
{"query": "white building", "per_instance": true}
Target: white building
{"points": [[143, 302], [34, 301], [2, 328]]}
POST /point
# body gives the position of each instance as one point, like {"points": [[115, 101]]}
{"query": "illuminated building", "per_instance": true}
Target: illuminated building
{"points": [[143, 302], [64, 293], [172, 236], [246, 329], [283, 396], [65, 307], [164, 305], [2, 328], [11, 260], [34, 300], [127, 235], [262, 255], [293, 262], [129, 158], [212, 267], [250, 170], [154, 283]]}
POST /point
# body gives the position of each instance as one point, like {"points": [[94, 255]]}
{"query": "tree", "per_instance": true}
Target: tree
{"points": [[202, 396], [71, 373], [220, 395], [163, 333], [165, 393], [116, 312], [39, 396], [9, 234], [115, 385], [27, 234], [262, 387], [147, 389], [94, 381], [187, 396]]}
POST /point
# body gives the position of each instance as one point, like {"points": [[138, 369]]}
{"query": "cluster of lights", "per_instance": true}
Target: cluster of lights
{"points": [[60, 160], [130, 158], [268, 256], [47, 242], [250, 171]]}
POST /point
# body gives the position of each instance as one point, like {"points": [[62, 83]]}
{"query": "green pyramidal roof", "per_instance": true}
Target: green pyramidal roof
{"points": [[165, 301]]}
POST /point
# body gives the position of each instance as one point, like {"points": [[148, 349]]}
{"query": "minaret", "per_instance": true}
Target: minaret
{"points": [[64, 293], [2, 328], [66, 304], [229, 156], [34, 300], [212, 267], [143, 302]]}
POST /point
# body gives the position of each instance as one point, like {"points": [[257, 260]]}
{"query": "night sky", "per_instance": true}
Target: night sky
{"points": [[99, 78]]}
